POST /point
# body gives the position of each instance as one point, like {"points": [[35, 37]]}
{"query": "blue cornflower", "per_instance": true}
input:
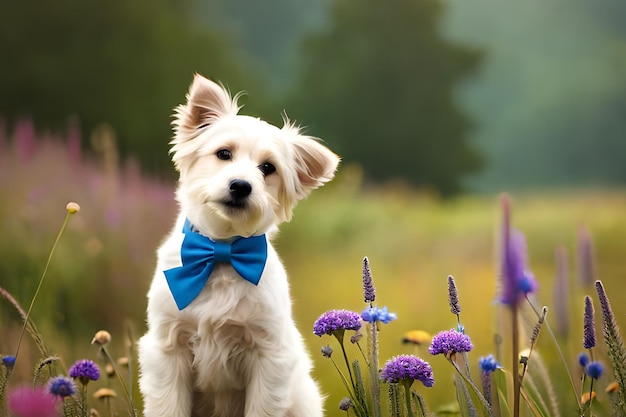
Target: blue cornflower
{"points": [[61, 386], [85, 370], [516, 280], [374, 314], [583, 359], [8, 361], [334, 321], [594, 370], [407, 368], [450, 342], [488, 364]]}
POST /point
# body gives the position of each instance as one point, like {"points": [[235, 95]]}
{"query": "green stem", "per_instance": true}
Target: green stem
{"points": [[515, 364], [590, 397], [373, 368], [561, 355], [345, 358], [407, 394], [43, 275], [121, 381], [84, 401]]}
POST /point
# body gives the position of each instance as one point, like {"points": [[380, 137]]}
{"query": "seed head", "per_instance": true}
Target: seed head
{"points": [[72, 207], [102, 337]]}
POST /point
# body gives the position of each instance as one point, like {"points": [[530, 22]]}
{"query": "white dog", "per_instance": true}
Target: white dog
{"points": [[219, 344]]}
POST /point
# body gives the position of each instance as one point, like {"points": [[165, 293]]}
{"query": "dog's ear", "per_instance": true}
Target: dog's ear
{"points": [[315, 164], [207, 101]]}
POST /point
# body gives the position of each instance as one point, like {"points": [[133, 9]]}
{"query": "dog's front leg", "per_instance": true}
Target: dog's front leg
{"points": [[165, 380], [267, 394]]}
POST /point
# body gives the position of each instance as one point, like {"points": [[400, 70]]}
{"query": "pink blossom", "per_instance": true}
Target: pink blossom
{"points": [[32, 402]]}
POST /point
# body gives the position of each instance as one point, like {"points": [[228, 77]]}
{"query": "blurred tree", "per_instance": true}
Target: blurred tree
{"points": [[379, 85], [267, 31], [126, 63], [550, 99]]}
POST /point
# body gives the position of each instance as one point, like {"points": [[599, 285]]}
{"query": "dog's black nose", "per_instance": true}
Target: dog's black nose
{"points": [[240, 189]]}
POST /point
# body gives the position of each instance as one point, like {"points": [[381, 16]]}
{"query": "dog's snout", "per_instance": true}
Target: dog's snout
{"points": [[240, 189]]}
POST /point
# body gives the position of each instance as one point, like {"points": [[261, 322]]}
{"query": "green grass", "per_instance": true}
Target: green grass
{"points": [[414, 243], [104, 263]]}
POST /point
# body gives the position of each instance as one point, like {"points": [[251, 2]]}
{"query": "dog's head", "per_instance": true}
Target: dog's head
{"points": [[239, 175]]}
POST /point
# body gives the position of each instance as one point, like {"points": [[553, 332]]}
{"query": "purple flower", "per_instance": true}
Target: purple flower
{"points": [[32, 402], [407, 368], [374, 314], [334, 321], [345, 404], [488, 364], [369, 291], [516, 280], [589, 328], [61, 386], [449, 342], [594, 370], [585, 259], [85, 370]]}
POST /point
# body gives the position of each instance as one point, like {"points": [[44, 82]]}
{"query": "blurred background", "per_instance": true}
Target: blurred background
{"points": [[436, 107]]}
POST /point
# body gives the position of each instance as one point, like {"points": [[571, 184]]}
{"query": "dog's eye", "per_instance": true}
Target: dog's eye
{"points": [[267, 168], [224, 154]]}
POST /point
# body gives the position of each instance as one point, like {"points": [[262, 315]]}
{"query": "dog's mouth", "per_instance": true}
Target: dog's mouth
{"points": [[235, 204]]}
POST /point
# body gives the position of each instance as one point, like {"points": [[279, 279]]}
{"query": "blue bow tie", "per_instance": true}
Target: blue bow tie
{"points": [[199, 255]]}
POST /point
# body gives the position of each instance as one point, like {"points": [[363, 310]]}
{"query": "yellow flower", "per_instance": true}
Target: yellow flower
{"points": [[104, 393], [612, 387], [417, 337], [585, 397]]}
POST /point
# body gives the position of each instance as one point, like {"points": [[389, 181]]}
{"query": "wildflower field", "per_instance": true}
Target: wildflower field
{"points": [[103, 263]]}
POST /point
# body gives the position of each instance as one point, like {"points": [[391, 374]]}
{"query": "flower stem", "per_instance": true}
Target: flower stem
{"points": [[43, 275], [590, 397], [345, 358], [407, 394], [373, 368], [515, 364], [127, 393]]}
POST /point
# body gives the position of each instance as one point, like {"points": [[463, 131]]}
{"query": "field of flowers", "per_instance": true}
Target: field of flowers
{"points": [[103, 263]]}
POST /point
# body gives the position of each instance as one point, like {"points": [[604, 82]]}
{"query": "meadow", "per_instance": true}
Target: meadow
{"points": [[104, 262]]}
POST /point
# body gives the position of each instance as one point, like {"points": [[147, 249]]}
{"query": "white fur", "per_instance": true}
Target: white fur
{"points": [[235, 350]]}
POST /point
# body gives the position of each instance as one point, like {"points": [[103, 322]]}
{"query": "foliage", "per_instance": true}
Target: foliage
{"points": [[103, 266], [379, 86], [118, 62], [533, 390], [51, 391], [553, 95], [125, 215]]}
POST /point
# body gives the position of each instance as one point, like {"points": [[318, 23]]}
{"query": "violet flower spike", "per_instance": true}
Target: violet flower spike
{"points": [[516, 280], [589, 328], [369, 291], [453, 296]]}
